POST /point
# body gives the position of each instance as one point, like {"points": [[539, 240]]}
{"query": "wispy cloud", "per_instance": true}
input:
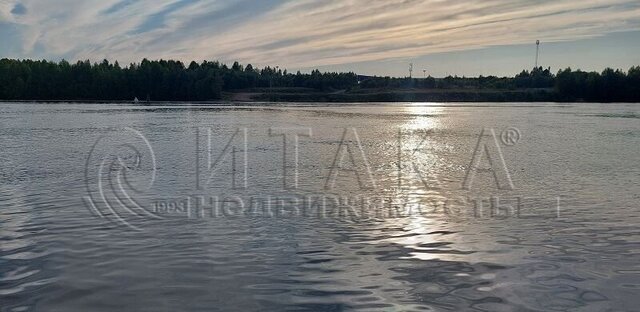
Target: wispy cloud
{"points": [[300, 33]]}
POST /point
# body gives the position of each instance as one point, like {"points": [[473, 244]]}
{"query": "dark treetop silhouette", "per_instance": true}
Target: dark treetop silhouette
{"points": [[173, 81]]}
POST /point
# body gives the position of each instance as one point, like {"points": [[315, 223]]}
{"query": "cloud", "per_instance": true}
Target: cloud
{"points": [[118, 6], [303, 33]]}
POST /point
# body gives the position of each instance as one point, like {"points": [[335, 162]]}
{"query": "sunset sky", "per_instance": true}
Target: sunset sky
{"points": [[463, 37]]}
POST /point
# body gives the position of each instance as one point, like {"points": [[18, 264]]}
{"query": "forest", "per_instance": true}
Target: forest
{"points": [[168, 80]]}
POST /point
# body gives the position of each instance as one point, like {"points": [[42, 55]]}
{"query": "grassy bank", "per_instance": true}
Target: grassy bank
{"points": [[398, 95]]}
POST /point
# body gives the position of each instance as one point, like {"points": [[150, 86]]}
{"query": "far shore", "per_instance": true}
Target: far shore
{"points": [[345, 96]]}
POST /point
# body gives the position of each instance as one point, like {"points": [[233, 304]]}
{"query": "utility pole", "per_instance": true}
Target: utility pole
{"points": [[537, 52]]}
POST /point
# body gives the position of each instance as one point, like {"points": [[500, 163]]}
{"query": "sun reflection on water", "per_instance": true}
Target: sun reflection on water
{"points": [[426, 116], [422, 227]]}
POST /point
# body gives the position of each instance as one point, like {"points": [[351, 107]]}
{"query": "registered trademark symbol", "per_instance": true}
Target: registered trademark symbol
{"points": [[510, 136]]}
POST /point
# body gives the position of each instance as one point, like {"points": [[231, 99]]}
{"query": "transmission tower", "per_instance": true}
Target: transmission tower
{"points": [[537, 52]]}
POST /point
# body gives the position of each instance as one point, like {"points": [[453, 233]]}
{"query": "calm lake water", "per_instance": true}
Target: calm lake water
{"points": [[201, 208]]}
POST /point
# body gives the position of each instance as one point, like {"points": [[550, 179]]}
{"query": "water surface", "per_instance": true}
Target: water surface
{"points": [[436, 246]]}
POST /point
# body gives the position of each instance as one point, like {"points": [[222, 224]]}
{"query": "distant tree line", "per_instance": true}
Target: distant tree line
{"points": [[568, 85], [608, 86], [167, 80], [158, 80], [537, 78]]}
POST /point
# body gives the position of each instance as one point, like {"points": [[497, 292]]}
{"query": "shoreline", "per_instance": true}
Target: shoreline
{"points": [[381, 96]]}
